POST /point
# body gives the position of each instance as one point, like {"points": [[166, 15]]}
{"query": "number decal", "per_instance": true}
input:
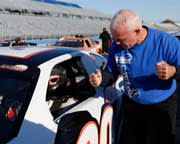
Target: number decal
{"points": [[106, 126], [90, 134]]}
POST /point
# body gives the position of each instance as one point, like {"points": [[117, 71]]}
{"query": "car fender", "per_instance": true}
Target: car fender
{"points": [[70, 126]]}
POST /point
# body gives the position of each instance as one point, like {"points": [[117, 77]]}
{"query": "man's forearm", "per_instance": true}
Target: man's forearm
{"points": [[108, 78]]}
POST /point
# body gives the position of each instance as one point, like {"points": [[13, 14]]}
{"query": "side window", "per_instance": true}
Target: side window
{"points": [[14, 99], [81, 43], [84, 89], [68, 86]]}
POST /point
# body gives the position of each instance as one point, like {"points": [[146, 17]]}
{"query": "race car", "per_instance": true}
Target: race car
{"points": [[46, 97], [80, 43], [14, 42], [5, 42]]}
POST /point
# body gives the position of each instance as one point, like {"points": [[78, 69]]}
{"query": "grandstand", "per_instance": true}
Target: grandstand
{"points": [[32, 19], [168, 27]]}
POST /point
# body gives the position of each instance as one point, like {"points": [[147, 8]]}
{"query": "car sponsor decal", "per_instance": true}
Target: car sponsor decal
{"points": [[14, 67], [22, 52], [90, 133]]}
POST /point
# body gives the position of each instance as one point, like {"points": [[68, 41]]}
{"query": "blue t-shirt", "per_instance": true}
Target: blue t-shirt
{"points": [[138, 66]]}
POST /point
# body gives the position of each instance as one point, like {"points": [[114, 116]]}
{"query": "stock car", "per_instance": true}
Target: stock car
{"points": [[12, 42], [26, 117], [80, 43]]}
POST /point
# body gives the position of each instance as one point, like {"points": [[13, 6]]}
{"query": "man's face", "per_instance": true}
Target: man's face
{"points": [[123, 37]]}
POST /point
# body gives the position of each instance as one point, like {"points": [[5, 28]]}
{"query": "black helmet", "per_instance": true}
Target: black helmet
{"points": [[57, 78]]}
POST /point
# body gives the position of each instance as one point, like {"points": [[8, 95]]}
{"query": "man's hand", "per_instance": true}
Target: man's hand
{"points": [[95, 78], [164, 70]]}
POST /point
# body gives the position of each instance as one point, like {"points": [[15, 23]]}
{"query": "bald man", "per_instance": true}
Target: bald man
{"points": [[149, 61]]}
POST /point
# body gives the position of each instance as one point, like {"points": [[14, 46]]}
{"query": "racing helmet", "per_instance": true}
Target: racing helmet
{"points": [[58, 77]]}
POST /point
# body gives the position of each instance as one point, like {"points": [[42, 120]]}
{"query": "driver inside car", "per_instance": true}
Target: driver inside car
{"points": [[59, 95]]}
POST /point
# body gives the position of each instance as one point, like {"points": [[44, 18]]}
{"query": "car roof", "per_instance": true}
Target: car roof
{"points": [[32, 55]]}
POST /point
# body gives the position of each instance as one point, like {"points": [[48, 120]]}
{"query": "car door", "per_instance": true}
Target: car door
{"points": [[92, 119]]}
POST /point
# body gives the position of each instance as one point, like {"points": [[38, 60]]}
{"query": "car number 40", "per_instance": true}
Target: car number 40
{"points": [[90, 134]]}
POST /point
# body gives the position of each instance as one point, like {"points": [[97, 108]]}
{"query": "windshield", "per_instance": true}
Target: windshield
{"points": [[16, 89], [70, 43]]}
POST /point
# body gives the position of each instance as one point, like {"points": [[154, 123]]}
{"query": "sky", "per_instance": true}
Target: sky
{"points": [[150, 11]]}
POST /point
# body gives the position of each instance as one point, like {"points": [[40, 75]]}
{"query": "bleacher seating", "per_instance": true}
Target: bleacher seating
{"points": [[34, 27], [33, 20], [43, 20]]}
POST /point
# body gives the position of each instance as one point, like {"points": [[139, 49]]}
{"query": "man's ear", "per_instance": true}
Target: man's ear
{"points": [[137, 31]]}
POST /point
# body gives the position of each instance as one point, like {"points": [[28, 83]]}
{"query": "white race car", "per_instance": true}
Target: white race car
{"points": [[76, 114]]}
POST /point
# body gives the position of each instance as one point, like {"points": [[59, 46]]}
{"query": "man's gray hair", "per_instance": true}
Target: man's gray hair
{"points": [[130, 20]]}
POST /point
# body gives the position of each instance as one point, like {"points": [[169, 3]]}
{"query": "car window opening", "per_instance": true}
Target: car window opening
{"points": [[13, 100], [72, 90]]}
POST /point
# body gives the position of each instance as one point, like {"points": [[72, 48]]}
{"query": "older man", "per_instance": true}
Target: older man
{"points": [[149, 61]]}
